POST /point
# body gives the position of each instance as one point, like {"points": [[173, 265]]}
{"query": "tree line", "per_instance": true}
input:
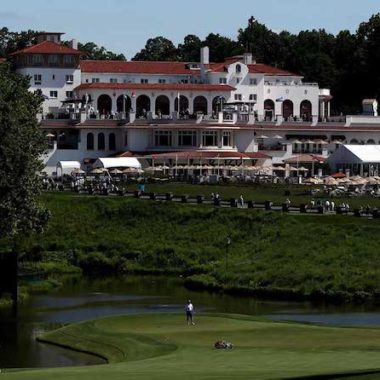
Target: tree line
{"points": [[347, 63]]}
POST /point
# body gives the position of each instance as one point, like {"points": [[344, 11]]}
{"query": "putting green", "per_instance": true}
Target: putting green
{"points": [[162, 346]]}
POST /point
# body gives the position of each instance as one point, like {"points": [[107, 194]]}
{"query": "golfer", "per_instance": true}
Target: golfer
{"points": [[189, 312]]}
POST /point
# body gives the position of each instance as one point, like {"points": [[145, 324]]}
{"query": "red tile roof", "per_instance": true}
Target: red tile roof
{"points": [[137, 67], [256, 68], [47, 47], [156, 86]]}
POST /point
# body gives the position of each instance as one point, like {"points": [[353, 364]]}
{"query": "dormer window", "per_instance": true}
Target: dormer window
{"points": [[238, 68]]}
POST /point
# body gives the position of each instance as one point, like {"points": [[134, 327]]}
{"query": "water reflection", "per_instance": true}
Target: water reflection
{"points": [[90, 299]]}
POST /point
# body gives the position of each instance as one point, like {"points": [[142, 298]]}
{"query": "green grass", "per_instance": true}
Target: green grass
{"points": [[164, 347], [329, 256]]}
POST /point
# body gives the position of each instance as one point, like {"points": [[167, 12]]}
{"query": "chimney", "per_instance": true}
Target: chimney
{"points": [[73, 44], [247, 58], [205, 55]]}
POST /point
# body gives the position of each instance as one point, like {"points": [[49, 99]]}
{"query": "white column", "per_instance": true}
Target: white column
{"points": [[153, 105], [322, 109], [209, 105], [191, 104], [328, 109], [114, 103]]}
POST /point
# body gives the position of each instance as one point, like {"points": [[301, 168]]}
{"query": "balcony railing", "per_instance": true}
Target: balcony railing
{"points": [[299, 84]]}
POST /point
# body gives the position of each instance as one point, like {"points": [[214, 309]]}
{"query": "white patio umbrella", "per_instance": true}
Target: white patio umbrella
{"points": [[50, 135], [279, 168], [330, 181], [263, 137], [303, 169], [116, 171], [297, 142], [78, 171], [153, 169], [277, 137], [96, 171]]}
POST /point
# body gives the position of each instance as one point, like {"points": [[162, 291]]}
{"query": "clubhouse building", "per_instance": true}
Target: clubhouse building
{"points": [[238, 110]]}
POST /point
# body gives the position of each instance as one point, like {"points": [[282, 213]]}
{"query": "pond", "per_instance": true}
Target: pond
{"points": [[84, 299]]}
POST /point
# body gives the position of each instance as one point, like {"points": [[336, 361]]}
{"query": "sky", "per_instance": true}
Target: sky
{"points": [[124, 26]]}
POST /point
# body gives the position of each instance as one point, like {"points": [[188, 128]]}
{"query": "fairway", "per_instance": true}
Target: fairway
{"points": [[163, 347]]}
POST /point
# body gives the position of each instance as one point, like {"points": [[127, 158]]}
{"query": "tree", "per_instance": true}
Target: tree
{"points": [[12, 41], [221, 47], [92, 51], [157, 49], [21, 147], [189, 51]]}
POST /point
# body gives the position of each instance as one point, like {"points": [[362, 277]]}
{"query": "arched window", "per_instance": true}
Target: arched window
{"points": [[217, 104], [268, 109], [183, 104], [162, 105], [104, 104], [371, 142], [238, 68], [112, 141], [306, 110], [200, 105], [101, 141], [142, 106], [123, 103], [287, 109], [90, 141], [354, 141]]}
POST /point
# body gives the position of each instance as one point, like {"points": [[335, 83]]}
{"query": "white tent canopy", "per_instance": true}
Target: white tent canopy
{"points": [[117, 162], [356, 154], [66, 167]]}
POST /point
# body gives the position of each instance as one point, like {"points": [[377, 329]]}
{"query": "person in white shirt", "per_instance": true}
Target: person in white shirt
{"points": [[189, 312]]}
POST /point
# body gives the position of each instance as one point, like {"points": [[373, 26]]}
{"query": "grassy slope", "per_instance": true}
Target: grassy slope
{"points": [[304, 253], [164, 347]]}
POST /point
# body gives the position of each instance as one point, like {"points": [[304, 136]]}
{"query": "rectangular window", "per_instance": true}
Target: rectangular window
{"points": [[54, 94], [113, 80], [163, 138], [238, 97], [187, 138], [53, 77], [222, 80], [253, 97], [95, 80], [210, 138], [69, 79], [143, 80], [253, 81], [238, 80], [37, 78], [184, 81], [37, 59], [69, 94], [162, 81], [68, 59], [227, 138], [53, 59]]}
